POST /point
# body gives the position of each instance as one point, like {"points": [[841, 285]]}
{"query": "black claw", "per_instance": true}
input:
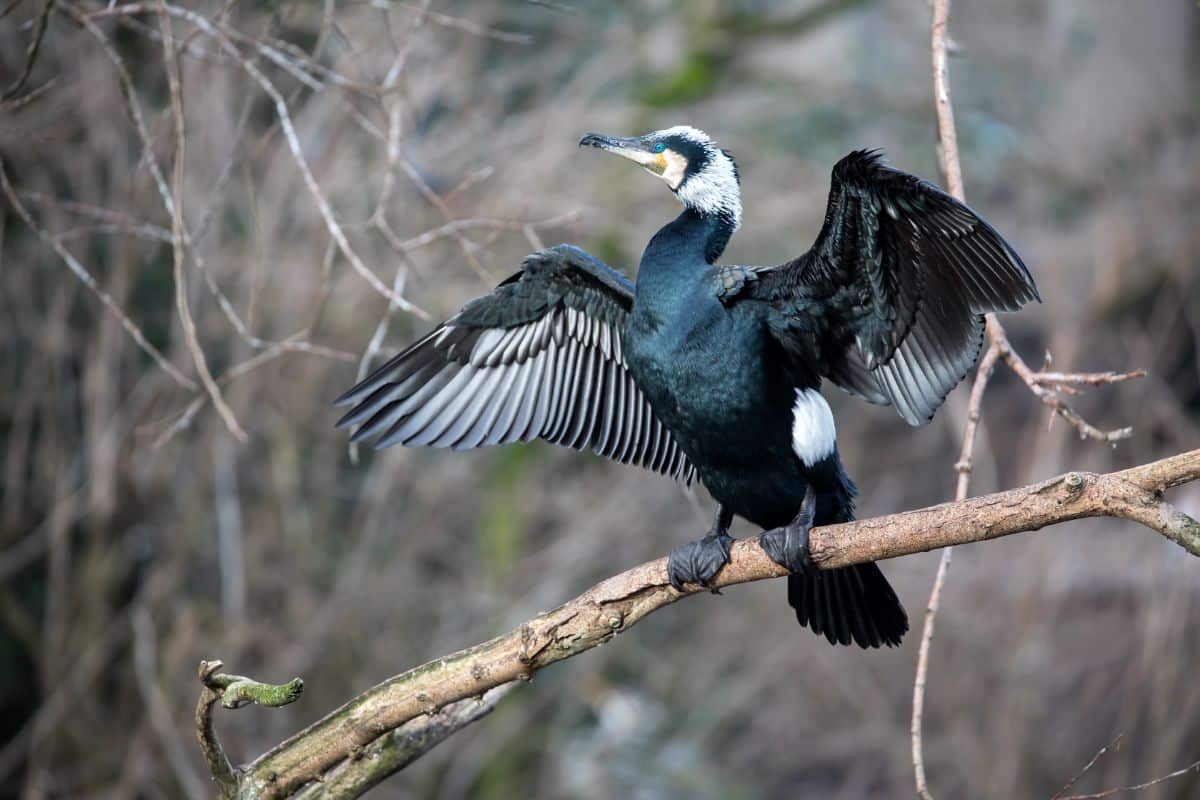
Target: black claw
{"points": [[788, 546], [698, 561]]}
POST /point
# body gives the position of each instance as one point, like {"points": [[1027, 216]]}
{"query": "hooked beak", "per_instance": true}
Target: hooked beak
{"points": [[630, 148], [607, 142]]}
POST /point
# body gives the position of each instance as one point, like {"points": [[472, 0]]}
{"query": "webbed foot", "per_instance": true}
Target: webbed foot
{"points": [[698, 561], [788, 546]]}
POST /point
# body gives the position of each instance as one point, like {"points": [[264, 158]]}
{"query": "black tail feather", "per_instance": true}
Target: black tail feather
{"points": [[851, 604]]}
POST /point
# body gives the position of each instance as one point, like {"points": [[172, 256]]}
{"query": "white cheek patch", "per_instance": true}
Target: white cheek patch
{"points": [[714, 189], [813, 434], [676, 167]]}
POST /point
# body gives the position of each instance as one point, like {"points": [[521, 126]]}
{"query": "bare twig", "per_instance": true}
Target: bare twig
{"points": [[35, 44], [946, 131], [437, 202], [181, 299], [965, 461], [616, 604], [87, 280], [952, 170], [291, 344], [293, 140], [1086, 378], [488, 223], [134, 109], [1115, 743], [1049, 397], [17, 103], [310, 180], [288, 57], [468, 26], [144, 659], [1193, 767], [132, 106], [210, 746]]}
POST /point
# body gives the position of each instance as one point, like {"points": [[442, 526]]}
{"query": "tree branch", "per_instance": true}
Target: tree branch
{"points": [[616, 604], [1045, 386], [963, 466], [394, 751], [88, 280], [233, 691]]}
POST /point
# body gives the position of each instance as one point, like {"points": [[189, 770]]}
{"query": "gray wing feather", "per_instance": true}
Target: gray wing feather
{"points": [[540, 357]]}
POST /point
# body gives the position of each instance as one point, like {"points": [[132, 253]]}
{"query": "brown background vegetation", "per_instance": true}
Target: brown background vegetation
{"points": [[133, 544]]}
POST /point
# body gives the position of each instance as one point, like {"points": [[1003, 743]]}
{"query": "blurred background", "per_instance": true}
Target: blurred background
{"points": [[139, 535]]}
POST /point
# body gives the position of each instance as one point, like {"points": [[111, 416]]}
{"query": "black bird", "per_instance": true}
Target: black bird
{"points": [[715, 372]]}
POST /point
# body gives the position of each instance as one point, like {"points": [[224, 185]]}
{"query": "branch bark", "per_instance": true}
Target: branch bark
{"points": [[616, 604]]}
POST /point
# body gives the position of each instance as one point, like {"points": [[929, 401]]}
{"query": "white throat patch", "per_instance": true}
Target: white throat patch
{"points": [[813, 434]]}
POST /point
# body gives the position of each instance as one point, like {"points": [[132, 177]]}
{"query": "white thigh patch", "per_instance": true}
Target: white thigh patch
{"points": [[813, 433]]}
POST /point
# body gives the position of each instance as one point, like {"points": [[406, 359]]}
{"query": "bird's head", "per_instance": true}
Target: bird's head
{"points": [[703, 176]]}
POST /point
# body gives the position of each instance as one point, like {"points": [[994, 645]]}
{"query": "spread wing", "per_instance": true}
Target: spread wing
{"points": [[541, 356], [889, 302]]}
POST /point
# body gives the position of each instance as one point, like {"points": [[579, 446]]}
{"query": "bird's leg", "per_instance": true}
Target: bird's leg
{"points": [[788, 546], [700, 560]]}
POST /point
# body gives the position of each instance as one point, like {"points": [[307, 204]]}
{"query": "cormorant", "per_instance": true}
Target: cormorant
{"points": [[715, 372]]}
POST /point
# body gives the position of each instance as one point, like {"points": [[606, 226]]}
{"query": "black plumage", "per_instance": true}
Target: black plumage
{"points": [[539, 357], [714, 371], [890, 299]]}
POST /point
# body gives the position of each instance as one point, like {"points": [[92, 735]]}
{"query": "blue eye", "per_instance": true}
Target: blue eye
{"points": [[658, 148]]}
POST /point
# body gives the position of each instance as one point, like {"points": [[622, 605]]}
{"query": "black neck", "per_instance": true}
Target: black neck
{"points": [[692, 233], [674, 259]]}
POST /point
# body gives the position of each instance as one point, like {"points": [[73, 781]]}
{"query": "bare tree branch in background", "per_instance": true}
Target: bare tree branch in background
{"points": [[87, 280], [311, 74], [1045, 386], [340, 739], [176, 209], [1137, 787], [9, 99]]}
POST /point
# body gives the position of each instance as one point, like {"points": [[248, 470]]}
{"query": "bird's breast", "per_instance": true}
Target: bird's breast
{"points": [[704, 373]]}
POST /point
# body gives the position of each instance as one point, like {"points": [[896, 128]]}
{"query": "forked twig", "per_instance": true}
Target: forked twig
{"points": [[232, 691], [181, 299], [1137, 787], [85, 277], [1045, 386], [1115, 743], [293, 140]]}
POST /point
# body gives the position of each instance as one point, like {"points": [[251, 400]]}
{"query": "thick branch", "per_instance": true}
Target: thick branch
{"points": [[393, 752], [615, 604]]}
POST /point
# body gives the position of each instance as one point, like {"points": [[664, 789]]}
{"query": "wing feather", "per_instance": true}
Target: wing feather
{"points": [[542, 356], [889, 303]]}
